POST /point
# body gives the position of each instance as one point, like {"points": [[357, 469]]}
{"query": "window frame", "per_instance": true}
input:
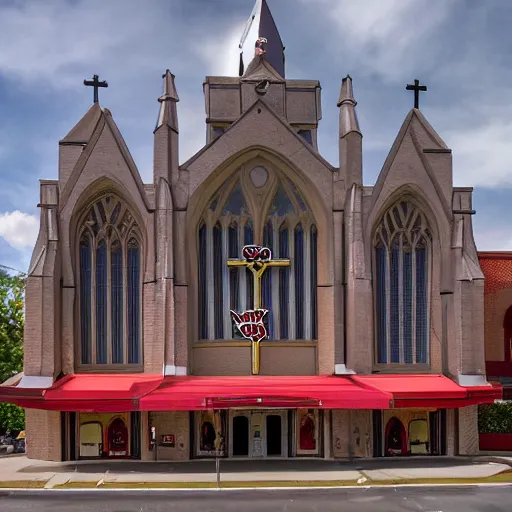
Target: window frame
{"points": [[259, 200], [132, 232], [403, 367]]}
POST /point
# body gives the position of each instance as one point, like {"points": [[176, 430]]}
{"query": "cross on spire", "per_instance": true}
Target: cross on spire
{"points": [[416, 88], [95, 82]]}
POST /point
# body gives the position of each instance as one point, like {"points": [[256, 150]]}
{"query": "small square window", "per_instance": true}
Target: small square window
{"points": [[306, 135]]}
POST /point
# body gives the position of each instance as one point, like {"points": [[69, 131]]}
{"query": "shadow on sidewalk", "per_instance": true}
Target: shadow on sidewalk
{"points": [[246, 466]]}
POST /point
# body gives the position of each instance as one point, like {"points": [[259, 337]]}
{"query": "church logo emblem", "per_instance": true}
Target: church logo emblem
{"points": [[250, 324]]}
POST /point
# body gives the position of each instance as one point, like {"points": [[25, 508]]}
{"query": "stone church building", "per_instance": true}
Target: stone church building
{"points": [[253, 301]]}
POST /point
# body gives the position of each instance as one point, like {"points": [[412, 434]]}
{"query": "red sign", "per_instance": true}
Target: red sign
{"points": [[168, 440]]}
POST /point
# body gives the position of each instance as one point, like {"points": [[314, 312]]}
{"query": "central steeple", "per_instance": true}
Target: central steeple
{"points": [[261, 38]]}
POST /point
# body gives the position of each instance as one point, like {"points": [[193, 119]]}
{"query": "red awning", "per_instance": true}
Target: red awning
{"points": [[427, 390], [142, 392], [86, 393], [100, 392], [317, 391]]}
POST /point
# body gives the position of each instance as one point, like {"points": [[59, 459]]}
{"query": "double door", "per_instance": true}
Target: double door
{"points": [[256, 434]]}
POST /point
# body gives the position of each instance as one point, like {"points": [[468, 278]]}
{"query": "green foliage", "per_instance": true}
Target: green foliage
{"points": [[495, 418], [11, 342]]}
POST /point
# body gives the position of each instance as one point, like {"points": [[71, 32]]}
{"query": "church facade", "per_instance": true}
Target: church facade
{"points": [[254, 301]]}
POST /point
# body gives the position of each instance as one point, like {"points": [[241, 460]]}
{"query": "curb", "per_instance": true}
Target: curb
{"points": [[496, 459], [241, 489]]}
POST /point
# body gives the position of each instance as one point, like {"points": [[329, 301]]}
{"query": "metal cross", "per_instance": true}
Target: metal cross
{"points": [[95, 82], [257, 259], [416, 88]]}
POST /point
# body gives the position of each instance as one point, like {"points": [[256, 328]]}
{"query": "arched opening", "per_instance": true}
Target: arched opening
{"points": [[507, 335], [110, 284], [402, 265], [117, 436], [396, 438], [257, 205]]}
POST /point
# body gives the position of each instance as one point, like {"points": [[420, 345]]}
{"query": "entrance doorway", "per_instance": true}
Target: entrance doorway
{"points": [[274, 435], [396, 438], [258, 433], [240, 436]]}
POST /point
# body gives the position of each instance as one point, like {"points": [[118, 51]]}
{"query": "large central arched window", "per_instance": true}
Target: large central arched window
{"points": [[110, 264], [402, 263], [258, 205]]}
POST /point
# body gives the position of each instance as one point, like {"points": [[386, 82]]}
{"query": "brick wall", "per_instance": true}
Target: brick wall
{"points": [[177, 424], [43, 430], [497, 268]]}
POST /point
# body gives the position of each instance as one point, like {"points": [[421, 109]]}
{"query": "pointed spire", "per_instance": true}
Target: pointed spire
{"points": [[261, 39], [168, 114], [348, 115]]}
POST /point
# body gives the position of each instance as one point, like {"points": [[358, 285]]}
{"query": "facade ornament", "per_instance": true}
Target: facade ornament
{"points": [[250, 323]]}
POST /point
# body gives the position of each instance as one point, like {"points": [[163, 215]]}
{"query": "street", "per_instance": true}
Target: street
{"points": [[406, 499]]}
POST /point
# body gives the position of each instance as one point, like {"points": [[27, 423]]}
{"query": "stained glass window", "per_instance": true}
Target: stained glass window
{"points": [[288, 293], [402, 249], [110, 285]]}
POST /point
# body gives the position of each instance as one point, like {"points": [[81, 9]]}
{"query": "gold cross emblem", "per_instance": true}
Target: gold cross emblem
{"points": [[250, 323]]}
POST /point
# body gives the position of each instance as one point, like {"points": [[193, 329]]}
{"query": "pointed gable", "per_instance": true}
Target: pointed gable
{"points": [[82, 132], [418, 157], [106, 156], [260, 127]]}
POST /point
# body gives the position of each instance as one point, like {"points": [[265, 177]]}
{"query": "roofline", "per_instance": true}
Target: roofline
{"points": [[494, 255], [284, 122]]}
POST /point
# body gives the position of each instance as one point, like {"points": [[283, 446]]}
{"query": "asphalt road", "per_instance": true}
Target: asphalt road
{"points": [[401, 499]]}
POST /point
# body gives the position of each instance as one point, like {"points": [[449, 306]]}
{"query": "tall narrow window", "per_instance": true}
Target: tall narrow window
{"points": [[402, 254], [286, 227], [110, 285]]}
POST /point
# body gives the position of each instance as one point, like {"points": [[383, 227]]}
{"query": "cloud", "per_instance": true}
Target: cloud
{"points": [[483, 154], [19, 229], [387, 38]]}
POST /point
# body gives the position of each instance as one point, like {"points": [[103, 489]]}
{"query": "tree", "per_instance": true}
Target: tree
{"points": [[12, 290]]}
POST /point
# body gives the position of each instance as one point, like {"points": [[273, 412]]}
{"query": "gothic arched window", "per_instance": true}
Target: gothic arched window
{"points": [[402, 273], [260, 207], [110, 285]]}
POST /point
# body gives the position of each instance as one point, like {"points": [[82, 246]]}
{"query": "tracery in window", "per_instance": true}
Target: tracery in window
{"points": [[109, 284], [287, 228], [402, 261]]}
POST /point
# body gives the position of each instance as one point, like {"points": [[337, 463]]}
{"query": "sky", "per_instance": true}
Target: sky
{"points": [[459, 48]]}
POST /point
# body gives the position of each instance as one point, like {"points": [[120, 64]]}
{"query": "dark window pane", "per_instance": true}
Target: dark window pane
{"points": [[314, 283], [421, 306], [203, 303], [284, 285], [85, 300], [299, 282], [394, 306], [266, 283], [101, 303], [380, 306], [218, 267], [407, 306], [134, 302], [117, 303]]}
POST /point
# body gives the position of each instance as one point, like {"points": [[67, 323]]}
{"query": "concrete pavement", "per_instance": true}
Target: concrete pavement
{"points": [[403, 499], [54, 474]]}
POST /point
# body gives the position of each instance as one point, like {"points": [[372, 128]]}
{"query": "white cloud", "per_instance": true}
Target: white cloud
{"points": [[483, 154], [19, 229]]}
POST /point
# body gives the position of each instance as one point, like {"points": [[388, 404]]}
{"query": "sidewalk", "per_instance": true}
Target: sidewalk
{"points": [[23, 472]]}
